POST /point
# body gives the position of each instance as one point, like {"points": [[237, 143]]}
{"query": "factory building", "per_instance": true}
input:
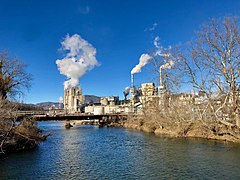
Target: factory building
{"points": [[141, 97], [145, 96], [149, 94], [111, 100], [73, 100], [108, 105]]}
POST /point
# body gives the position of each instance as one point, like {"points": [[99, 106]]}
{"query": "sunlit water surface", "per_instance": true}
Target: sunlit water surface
{"points": [[89, 152]]}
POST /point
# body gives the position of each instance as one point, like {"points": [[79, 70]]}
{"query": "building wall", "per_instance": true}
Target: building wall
{"points": [[73, 99]]}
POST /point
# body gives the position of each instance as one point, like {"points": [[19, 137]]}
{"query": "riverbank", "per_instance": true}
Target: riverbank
{"points": [[20, 137], [180, 129], [186, 129]]}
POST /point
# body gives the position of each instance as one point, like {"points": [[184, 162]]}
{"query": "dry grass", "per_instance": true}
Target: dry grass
{"points": [[184, 120]]}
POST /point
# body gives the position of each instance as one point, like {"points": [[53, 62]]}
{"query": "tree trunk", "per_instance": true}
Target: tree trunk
{"points": [[3, 94], [237, 119]]}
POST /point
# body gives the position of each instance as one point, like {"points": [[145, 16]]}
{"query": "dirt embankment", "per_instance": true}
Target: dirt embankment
{"points": [[193, 129]]}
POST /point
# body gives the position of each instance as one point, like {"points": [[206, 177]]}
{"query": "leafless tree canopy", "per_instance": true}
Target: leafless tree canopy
{"points": [[13, 77], [171, 75], [214, 65], [215, 56], [210, 66]]}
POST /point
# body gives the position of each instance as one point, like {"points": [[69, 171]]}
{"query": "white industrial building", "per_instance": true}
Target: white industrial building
{"points": [[73, 100]]}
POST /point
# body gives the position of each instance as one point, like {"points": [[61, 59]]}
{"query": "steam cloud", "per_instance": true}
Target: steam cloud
{"points": [[80, 59], [168, 65], [144, 59], [60, 99], [159, 48], [126, 90], [156, 42]]}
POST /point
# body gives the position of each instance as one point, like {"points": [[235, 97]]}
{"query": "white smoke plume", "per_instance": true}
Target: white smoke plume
{"points": [[127, 90], [168, 65], [159, 53], [80, 59], [160, 49], [60, 99], [156, 42], [162, 52], [144, 59]]}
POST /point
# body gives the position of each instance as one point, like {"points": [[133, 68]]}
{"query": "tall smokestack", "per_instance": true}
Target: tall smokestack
{"points": [[132, 80], [160, 76], [132, 91]]}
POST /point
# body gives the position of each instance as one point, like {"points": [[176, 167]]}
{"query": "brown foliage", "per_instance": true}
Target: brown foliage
{"points": [[16, 136]]}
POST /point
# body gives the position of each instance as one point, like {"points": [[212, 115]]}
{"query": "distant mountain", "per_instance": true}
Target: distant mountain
{"points": [[28, 107], [91, 99], [47, 105], [88, 99]]}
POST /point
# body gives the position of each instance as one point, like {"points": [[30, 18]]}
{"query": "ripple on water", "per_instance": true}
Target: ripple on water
{"points": [[88, 152]]}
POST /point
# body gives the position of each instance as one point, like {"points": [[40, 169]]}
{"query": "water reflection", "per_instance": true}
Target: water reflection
{"points": [[87, 152]]}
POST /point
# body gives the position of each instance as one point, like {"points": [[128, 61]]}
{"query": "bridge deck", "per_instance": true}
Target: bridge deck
{"points": [[81, 117]]}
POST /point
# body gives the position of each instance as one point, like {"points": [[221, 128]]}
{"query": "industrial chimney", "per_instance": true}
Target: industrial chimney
{"points": [[132, 81], [132, 91]]}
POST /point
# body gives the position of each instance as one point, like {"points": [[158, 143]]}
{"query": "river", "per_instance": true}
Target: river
{"points": [[89, 152]]}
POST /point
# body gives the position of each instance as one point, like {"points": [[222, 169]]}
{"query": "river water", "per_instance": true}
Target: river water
{"points": [[89, 152]]}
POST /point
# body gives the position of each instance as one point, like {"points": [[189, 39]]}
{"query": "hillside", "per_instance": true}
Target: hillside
{"points": [[91, 99], [88, 99], [47, 105]]}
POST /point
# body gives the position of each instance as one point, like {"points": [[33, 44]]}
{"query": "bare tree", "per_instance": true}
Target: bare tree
{"points": [[214, 65], [8, 116], [17, 136], [14, 137], [167, 69], [13, 77], [210, 66]]}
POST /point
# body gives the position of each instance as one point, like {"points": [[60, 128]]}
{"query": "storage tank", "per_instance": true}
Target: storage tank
{"points": [[98, 110]]}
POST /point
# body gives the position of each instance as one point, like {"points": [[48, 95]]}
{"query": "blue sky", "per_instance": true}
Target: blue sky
{"points": [[120, 31]]}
